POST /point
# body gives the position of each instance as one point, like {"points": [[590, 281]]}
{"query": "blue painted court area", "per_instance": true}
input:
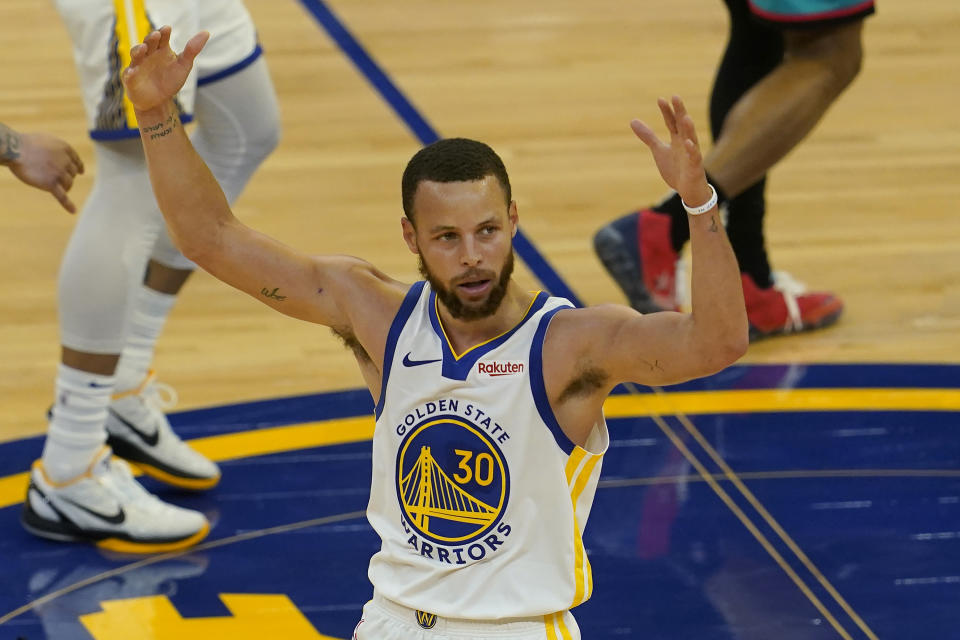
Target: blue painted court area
{"points": [[773, 524]]}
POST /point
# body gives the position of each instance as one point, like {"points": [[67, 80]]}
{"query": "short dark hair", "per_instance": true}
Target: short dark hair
{"points": [[452, 160]]}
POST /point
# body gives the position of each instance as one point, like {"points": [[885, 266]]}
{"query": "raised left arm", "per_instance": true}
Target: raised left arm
{"points": [[667, 347]]}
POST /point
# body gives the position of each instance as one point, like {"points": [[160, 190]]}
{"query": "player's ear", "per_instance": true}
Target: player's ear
{"points": [[409, 234], [514, 217]]}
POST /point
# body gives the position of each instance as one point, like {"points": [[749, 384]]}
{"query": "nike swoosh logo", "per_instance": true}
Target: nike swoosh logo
{"points": [[407, 362], [97, 385], [116, 518], [149, 440]]}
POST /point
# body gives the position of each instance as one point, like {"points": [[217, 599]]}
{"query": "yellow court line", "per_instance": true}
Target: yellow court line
{"points": [[13, 489], [244, 444], [751, 527], [788, 474], [771, 521], [794, 400], [315, 434], [777, 400], [329, 432]]}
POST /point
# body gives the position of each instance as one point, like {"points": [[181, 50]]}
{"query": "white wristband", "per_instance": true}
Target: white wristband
{"points": [[709, 204]]}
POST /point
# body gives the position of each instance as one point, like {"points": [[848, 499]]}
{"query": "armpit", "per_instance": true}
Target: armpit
{"points": [[588, 380], [350, 341]]}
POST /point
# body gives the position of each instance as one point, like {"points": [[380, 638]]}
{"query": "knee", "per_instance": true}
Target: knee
{"points": [[847, 60], [238, 136], [839, 49], [263, 137], [266, 136]]}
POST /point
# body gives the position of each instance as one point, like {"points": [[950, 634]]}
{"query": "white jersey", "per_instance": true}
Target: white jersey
{"points": [[103, 31], [478, 496]]}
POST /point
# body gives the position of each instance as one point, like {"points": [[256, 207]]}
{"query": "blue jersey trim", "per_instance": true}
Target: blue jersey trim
{"points": [[232, 69], [399, 320], [539, 389], [456, 368], [103, 135]]}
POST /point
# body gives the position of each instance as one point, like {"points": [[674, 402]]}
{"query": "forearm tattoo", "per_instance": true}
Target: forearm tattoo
{"points": [[161, 129], [713, 224], [273, 294], [653, 367], [9, 144]]}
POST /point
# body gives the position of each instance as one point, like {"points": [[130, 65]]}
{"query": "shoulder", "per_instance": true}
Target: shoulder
{"points": [[579, 338], [367, 301], [361, 291], [601, 338], [589, 323], [356, 275]]}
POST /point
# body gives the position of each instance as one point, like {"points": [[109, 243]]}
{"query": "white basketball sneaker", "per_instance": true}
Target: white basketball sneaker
{"points": [[107, 507], [139, 432]]}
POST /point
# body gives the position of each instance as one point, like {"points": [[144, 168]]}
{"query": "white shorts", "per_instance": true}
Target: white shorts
{"points": [[103, 31], [386, 620]]}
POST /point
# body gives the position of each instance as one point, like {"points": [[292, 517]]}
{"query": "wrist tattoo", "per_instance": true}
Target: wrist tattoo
{"points": [[713, 224], [9, 144], [273, 294], [161, 129]]}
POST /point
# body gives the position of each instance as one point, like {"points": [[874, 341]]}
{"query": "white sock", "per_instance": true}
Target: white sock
{"points": [[148, 315], [77, 429]]}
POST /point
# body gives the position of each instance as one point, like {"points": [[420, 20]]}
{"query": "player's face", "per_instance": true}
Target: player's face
{"points": [[464, 237]]}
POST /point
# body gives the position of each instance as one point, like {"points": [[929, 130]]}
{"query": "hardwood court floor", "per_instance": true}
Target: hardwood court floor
{"points": [[864, 207]]}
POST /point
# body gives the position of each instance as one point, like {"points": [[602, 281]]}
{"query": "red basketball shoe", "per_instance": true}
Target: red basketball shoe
{"points": [[636, 251], [787, 307]]}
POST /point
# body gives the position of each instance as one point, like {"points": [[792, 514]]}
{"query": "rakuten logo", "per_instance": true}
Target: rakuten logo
{"points": [[508, 368]]}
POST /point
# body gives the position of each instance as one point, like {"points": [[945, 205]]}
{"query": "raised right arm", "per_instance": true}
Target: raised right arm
{"points": [[206, 231], [199, 217]]}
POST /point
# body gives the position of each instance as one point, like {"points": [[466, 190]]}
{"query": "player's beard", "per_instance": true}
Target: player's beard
{"points": [[467, 311]]}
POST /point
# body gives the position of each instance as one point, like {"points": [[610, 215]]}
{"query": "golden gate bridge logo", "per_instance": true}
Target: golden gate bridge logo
{"points": [[429, 492], [452, 482]]}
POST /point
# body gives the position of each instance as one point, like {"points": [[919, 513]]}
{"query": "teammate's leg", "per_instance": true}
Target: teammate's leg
{"points": [[76, 491]]}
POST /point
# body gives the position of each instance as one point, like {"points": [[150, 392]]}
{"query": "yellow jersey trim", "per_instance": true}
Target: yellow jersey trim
{"points": [[457, 357]]}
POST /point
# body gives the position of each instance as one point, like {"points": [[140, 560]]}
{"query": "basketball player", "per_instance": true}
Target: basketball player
{"points": [[489, 422], [785, 63], [42, 161], [120, 275]]}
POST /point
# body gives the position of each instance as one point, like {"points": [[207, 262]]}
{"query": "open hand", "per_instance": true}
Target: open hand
{"points": [[680, 163], [48, 163], [156, 73]]}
